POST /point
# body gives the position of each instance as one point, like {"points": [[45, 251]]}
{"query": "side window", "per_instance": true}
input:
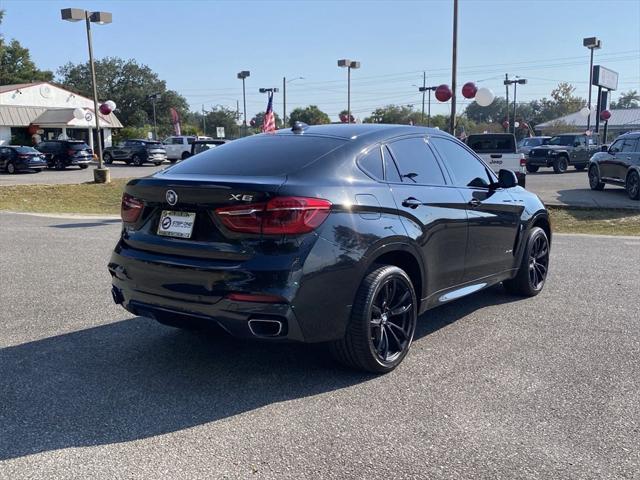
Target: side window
{"points": [[190, 140], [629, 145], [176, 141], [390, 169], [582, 140], [168, 141], [617, 145], [465, 168], [371, 163], [416, 162]]}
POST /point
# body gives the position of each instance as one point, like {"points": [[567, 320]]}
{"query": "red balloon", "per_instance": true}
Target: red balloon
{"points": [[343, 118], [469, 90], [605, 115], [104, 109], [443, 93]]}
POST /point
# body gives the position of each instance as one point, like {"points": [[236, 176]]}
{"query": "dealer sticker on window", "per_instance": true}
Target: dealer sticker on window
{"points": [[176, 224]]}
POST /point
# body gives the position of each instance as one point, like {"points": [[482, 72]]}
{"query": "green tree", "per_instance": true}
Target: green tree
{"points": [[628, 100], [494, 113], [220, 116], [16, 65], [130, 85], [395, 114], [310, 115]]}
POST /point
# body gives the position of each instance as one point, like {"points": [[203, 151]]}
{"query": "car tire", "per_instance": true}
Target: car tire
{"points": [[137, 160], [185, 155], [632, 185], [581, 167], [157, 164], [58, 164], [108, 159], [378, 345], [532, 273], [532, 168], [594, 179], [11, 168], [172, 160], [560, 164], [83, 167]]}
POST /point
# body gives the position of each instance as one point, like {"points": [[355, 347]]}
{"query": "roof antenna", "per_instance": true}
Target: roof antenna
{"points": [[299, 127]]}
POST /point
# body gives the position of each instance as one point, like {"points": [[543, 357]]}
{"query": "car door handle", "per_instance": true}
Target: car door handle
{"points": [[474, 202], [411, 202]]}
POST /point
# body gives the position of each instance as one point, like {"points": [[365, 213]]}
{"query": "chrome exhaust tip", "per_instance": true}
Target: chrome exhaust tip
{"points": [[260, 327]]}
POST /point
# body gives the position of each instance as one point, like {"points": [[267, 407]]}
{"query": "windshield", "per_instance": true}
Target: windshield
{"points": [[24, 150], [562, 140], [78, 146]]}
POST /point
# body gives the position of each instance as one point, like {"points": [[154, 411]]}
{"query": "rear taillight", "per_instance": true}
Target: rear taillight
{"points": [[278, 216], [252, 297], [523, 160], [130, 208]]}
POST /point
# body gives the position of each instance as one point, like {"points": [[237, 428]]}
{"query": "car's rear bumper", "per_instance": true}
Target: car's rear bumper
{"points": [[80, 161], [174, 290]]}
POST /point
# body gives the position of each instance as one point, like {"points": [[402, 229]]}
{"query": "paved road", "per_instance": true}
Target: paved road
{"points": [[494, 387], [571, 188]]}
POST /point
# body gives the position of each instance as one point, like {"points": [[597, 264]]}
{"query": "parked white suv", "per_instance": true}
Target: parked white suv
{"points": [[179, 147]]}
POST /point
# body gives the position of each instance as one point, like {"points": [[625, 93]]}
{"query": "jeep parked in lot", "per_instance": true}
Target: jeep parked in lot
{"points": [[618, 165], [179, 147], [136, 152], [564, 150], [61, 154], [499, 151]]}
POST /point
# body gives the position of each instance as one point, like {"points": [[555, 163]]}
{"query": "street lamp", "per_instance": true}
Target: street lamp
{"points": [[242, 75], [284, 97], [515, 82], [100, 174], [427, 89], [592, 43], [349, 64], [154, 98]]}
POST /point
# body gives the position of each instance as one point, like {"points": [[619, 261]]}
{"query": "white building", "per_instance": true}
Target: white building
{"points": [[30, 112]]}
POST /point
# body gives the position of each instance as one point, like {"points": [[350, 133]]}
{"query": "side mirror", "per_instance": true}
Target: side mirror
{"points": [[507, 178]]}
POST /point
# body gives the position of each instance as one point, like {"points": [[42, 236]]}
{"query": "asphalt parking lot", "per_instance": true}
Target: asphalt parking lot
{"points": [[570, 188], [494, 387]]}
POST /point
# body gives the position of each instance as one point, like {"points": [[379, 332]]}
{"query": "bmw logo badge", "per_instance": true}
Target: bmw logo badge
{"points": [[172, 197]]}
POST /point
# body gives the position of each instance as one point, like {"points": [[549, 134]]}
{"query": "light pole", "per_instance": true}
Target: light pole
{"points": [[349, 64], [515, 82], [242, 75], [100, 174], [454, 63], [154, 98], [592, 43], [284, 97], [427, 89]]}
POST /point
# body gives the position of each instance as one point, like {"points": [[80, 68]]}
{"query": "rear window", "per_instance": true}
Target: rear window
{"points": [[492, 143], [78, 146], [258, 156]]}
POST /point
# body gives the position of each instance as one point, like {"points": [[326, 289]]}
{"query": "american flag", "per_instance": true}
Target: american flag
{"points": [[269, 121]]}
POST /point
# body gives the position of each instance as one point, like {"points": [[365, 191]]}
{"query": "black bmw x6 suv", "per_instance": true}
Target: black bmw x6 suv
{"points": [[338, 233]]}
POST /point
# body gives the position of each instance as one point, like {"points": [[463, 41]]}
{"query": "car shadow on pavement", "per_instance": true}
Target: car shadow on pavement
{"points": [[134, 379], [98, 223]]}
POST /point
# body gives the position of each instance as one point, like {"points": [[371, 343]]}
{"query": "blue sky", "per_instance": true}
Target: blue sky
{"points": [[199, 46]]}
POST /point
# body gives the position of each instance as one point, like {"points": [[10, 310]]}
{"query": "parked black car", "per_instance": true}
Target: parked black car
{"points": [[61, 154], [564, 150], [618, 165], [136, 152], [15, 159], [335, 233]]}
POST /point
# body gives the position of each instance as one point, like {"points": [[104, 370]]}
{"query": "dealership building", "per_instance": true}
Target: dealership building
{"points": [[621, 121], [33, 112]]}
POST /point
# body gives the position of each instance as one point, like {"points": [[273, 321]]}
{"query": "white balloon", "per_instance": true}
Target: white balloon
{"points": [[516, 124], [111, 104], [78, 113], [484, 97], [584, 111]]}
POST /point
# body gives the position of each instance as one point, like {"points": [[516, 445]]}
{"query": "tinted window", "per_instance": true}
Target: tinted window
{"points": [[629, 145], [492, 143], [176, 141], [190, 140], [390, 169], [260, 156], [26, 150], [466, 169], [617, 145], [78, 146], [565, 140], [416, 162], [372, 163]]}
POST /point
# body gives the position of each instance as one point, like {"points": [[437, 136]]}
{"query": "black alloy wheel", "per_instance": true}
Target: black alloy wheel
{"points": [[137, 160], [58, 164], [561, 164], [107, 158], [534, 266], [633, 185], [383, 322], [532, 168], [594, 178], [11, 168]]}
